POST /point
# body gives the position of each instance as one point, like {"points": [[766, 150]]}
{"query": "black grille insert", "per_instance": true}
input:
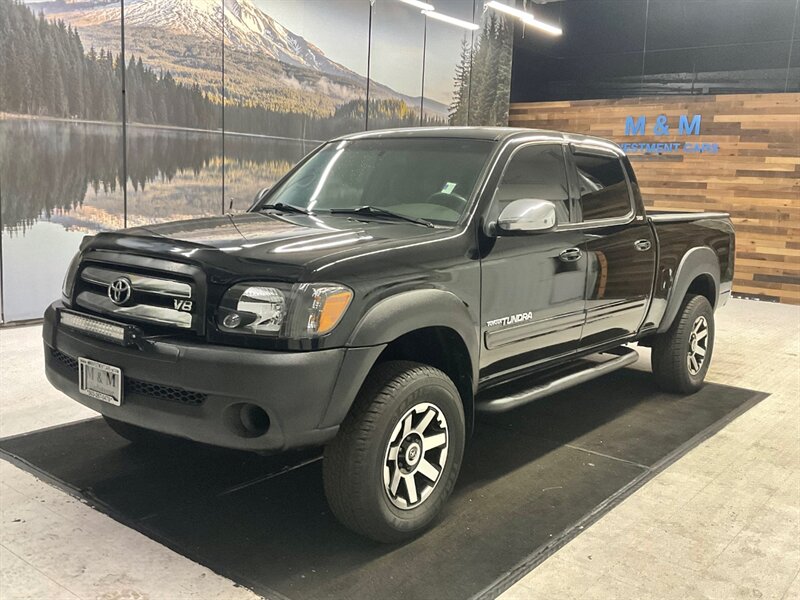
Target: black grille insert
{"points": [[139, 387]]}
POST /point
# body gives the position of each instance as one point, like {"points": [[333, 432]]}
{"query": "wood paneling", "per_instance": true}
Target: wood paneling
{"points": [[755, 176]]}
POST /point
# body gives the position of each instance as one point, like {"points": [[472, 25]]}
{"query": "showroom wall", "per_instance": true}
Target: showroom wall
{"points": [[703, 96], [117, 114]]}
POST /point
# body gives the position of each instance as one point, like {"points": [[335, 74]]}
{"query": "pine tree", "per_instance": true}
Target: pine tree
{"points": [[458, 108]]}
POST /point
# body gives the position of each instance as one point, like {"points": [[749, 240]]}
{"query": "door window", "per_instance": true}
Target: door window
{"points": [[535, 172], [603, 188]]}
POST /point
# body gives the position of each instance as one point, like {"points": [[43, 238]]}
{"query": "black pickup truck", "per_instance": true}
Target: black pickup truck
{"points": [[388, 288]]}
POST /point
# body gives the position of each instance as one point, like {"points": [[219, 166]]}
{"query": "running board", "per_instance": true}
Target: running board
{"points": [[623, 356]]}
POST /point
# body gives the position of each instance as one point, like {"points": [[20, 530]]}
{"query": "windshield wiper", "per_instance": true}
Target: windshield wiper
{"points": [[285, 208], [379, 212]]}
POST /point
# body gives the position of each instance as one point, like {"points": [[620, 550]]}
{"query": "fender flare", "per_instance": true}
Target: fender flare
{"points": [[700, 261], [409, 311], [388, 320]]}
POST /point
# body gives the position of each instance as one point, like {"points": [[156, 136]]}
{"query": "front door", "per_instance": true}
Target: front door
{"points": [[532, 291]]}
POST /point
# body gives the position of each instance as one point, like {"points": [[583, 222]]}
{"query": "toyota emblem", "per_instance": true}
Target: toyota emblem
{"points": [[119, 290]]}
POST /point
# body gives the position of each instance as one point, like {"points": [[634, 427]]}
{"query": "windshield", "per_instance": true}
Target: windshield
{"points": [[423, 178]]}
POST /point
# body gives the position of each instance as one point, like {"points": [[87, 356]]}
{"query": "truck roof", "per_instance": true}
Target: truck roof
{"points": [[481, 133]]}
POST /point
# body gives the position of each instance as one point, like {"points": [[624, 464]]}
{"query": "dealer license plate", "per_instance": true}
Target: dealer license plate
{"points": [[100, 381]]}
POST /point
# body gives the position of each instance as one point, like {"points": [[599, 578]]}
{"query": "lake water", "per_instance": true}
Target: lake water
{"points": [[60, 181]]}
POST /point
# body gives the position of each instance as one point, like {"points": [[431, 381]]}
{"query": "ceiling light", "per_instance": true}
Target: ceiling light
{"points": [[419, 5], [546, 27], [451, 20], [523, 16]]}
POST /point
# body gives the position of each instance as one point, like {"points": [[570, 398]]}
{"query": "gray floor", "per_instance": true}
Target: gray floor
{"points": [[723, 522]]}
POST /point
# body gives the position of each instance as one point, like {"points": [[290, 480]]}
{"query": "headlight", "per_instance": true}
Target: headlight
{"points": [[69, 277], [305, 310]]}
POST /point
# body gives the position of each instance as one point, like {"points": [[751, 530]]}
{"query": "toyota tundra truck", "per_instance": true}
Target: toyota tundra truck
{"points": [[386, 290]]}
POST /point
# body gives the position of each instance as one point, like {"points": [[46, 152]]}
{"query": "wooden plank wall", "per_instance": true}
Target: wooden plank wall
{"points": [[755, 176]]}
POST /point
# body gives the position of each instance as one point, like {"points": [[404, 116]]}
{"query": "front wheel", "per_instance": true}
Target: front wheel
{"points": [[393, 464], [682, 354]]}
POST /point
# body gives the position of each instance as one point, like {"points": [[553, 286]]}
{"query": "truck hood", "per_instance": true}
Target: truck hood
{"points": [[293, 239]]}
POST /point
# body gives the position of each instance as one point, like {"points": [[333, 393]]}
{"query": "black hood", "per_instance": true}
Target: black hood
{"points": [[294, 239]]}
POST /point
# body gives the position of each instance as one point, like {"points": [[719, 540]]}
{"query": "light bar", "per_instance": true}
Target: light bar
{"points": [[451, 20], [418, 4], [523, 16], [94, 327]]}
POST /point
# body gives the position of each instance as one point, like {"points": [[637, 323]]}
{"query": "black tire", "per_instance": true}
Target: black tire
{"points": [[134, 433], [359, 460], [672, 365]]}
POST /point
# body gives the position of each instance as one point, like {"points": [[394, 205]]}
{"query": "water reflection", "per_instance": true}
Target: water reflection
{"points": [[60, 180]]}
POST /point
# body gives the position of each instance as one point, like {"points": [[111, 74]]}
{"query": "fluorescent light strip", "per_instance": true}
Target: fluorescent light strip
{"points": [[523, 16], [418, 4], [451, 20], [546, 27]]}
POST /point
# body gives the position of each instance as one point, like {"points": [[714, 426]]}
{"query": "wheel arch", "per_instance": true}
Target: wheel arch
{"points": [[430, 326], [698, 273]]}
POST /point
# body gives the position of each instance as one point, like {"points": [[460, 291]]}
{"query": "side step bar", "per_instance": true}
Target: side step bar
{"points": [[623, 357]]}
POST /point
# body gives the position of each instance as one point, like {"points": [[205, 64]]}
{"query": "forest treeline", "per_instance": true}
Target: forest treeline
{"points": [[483, 77], [46, 71]]}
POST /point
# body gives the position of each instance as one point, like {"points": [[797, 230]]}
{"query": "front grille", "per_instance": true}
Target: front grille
{"points": [[163, 392], [154, 292], [137, 386], [71, 364]]}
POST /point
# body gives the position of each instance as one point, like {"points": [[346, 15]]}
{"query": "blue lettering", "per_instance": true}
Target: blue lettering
{"points": [[661, 127], [634, 127], [686, 128]]}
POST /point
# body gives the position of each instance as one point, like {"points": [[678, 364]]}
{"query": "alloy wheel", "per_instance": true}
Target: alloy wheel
{"points": [[415, 456], [698, 345]]}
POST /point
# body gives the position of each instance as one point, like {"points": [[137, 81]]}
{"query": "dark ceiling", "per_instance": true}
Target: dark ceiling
{"points": [[621, 48]]}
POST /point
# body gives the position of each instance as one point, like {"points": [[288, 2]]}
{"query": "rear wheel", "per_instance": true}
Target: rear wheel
{"points": [[393, 464], [681, 355]]}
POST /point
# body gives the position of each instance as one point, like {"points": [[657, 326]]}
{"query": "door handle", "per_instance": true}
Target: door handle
{"points": [[570, 255], [642, 245]]}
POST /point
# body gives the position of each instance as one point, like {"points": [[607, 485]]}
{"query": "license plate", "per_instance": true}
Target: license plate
{"points": [[100, 381]]}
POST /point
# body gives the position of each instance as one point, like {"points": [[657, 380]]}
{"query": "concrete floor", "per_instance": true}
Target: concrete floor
{"points": [[722, 522]]}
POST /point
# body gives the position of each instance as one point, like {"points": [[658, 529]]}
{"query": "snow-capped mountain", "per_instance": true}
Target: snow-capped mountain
{"points": [[244, 26]]}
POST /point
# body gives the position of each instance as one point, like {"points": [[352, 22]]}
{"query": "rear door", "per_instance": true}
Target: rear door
{"points": [[532, 285], [620, 246]]}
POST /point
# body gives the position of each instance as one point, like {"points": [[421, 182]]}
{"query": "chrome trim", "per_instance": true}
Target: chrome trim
{"points": [[681, 217], [140, 283], [152, 314]]}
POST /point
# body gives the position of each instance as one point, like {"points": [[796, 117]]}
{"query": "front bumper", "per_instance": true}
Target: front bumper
{"points": [[196, 390]]}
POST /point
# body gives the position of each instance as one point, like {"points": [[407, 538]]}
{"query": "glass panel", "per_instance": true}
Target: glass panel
{"points": [[173, 90], [535, 172], [490, 76], [396, 65], [603, 188], [60, 143], [290, 76], [447, 64]]}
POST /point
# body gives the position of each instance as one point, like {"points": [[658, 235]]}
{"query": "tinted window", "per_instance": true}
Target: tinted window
{"points": [[535, 172], [426, 178], [604, 191]]}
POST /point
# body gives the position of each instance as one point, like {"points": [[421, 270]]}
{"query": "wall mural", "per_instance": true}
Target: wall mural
{"points": [[221, 98]]}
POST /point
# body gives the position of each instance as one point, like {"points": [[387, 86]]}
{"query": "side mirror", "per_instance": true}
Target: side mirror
{"points": [[527, 216]]}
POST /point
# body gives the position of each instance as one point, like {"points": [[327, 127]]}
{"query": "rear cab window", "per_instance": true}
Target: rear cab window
{"points": [[604, 192]]}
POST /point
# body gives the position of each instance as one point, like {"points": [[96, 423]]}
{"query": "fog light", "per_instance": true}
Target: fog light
{"points": [[232, 320]]}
